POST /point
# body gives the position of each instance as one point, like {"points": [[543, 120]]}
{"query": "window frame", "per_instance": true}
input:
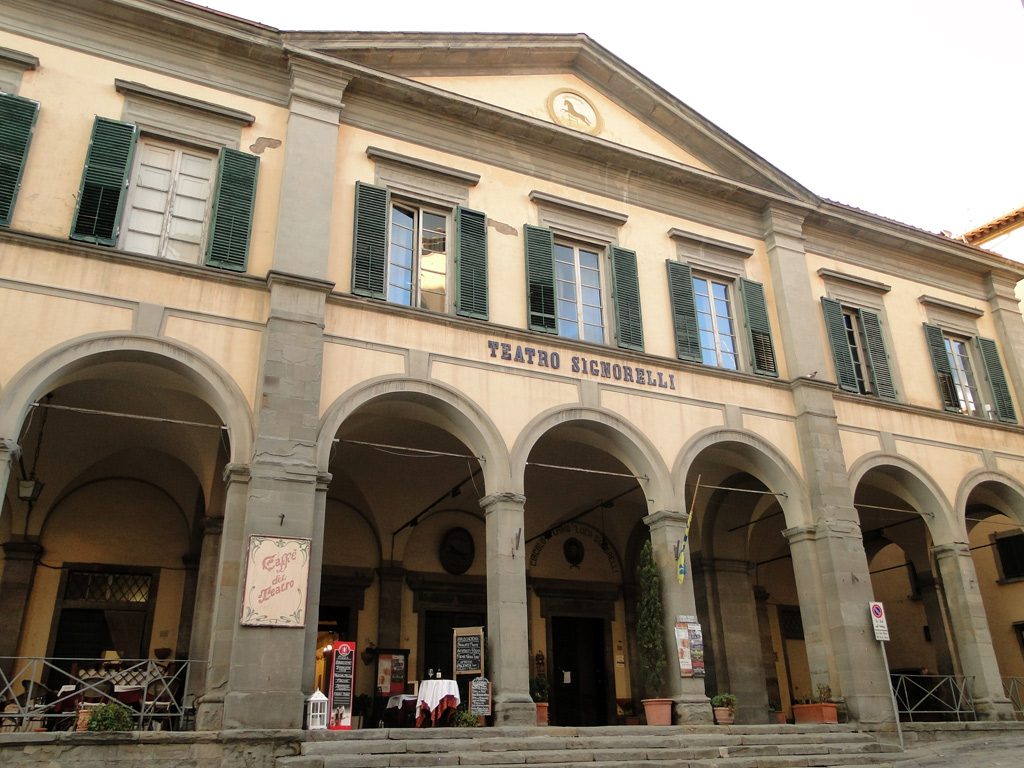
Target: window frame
{"points": [[1018, 537], [995, 404], [415, 288], [729, 285], [600, 254]]}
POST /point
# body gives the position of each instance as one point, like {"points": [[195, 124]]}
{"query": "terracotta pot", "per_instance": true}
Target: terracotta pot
{"points": [[777, 718], [658, 711], [542, 712], [820, 712], [724, 715]]}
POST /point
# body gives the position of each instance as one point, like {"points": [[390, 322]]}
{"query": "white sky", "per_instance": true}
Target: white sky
{"points": [[912, 109]]}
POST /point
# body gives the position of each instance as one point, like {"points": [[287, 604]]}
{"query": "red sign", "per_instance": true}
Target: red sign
{"points": [[342, 678]]}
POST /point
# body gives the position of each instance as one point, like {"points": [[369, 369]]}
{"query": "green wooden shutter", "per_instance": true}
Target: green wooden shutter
{"points": [[943, 371], [540, 278], [17, 118], [997, 380], [684, 311], [626, 295], [227, 246], [846, 373], [470, 263], [759, 329], [878, 360], [370, 241], [104, 182]]}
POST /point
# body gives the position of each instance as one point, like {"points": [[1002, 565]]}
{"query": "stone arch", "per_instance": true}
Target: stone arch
{"points": [[65, 361], [1008, 490], [623, 440], [462, 417], [916, 487], [757, 457]]}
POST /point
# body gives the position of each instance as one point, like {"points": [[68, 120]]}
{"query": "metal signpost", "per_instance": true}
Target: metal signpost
{"points": [[881, 628]]}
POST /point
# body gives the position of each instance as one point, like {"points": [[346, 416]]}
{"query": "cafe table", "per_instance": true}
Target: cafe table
{"points": [[435, 700]]}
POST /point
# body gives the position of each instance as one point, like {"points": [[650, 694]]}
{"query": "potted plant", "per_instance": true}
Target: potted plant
{"points": [[724, 707], [111, 717], [650, 639], [463, 718], [775, 713], [539, 694], [821, 710]]}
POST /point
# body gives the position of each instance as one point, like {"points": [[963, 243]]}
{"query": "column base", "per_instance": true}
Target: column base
{"points": [[869, 711], [515, 712], [994, 709], [693, 710], [209, 713], [264, 710]]}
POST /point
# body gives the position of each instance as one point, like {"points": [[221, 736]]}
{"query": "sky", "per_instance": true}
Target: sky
{"points": [[910, 109]]}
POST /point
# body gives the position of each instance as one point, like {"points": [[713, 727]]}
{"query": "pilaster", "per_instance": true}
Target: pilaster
{"points": [[205, 600], [20, 561], [668, 531], [389, 614], [970, 630], [507, 635], [1006, 317], [310, 164]]}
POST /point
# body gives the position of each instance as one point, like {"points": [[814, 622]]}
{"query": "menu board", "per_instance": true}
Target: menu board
{"points": [[468, 650], [342, 678], [391, 671], [480, 696]]}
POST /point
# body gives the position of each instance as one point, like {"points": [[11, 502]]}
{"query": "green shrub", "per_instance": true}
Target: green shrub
{"points": [[111, 717], [462, 718], [724, 700], [650, 622]]}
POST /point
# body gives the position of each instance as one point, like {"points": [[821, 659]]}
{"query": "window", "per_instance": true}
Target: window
{"points": [[17, 119], [1010, 555], [702, 317], [420, 253], [714, 322], [168, 206], [578, 294], [566, 291], [858, 349], [168, 201], [954, 362]]}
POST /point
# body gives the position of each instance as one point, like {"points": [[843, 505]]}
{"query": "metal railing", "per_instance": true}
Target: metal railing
{"points": [[1013, 687], [933, 697], [57, 694]]}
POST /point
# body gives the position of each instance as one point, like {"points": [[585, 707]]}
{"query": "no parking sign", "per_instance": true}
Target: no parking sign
{"points": [[878, 621]]}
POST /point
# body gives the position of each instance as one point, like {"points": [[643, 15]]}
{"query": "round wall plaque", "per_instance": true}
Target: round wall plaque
{"points": [[457, 551], [574, 110]]}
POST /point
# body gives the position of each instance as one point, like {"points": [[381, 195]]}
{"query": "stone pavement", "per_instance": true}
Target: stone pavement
{"points": [[989, 751]]}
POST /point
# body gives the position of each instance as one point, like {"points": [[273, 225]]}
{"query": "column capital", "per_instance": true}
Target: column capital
{"points": [[726, 565], [506, 497], [323, 480], [237, 473], [10, 446], [800, 533], [213, 525], [317, 87], [951, 549], [665, 518], [22, 550]]}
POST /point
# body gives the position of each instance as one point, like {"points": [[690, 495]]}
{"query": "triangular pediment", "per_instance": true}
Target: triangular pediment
{"points": [[564, 80]]}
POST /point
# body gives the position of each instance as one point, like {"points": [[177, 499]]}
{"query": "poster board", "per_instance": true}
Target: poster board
{"points": [[480, 696], [276, 576], [339, 704], [689, 646], [392, 671], [468, 651]]}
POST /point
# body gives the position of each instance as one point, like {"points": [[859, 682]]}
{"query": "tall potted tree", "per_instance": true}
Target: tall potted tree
{"points": [[650, 639]]}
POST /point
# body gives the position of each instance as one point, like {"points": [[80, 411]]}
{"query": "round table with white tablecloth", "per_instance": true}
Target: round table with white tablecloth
{"points": [[436, 699]]}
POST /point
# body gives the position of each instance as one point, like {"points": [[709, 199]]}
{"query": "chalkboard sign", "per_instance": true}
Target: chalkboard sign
{"points": [[468, 651], [480, 696], [342, 672]]}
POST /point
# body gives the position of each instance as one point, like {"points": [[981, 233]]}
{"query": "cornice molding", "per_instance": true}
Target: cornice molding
{"points": [[831, 275], [130, 88], [17, 59], [414, 163], [933, 302]]}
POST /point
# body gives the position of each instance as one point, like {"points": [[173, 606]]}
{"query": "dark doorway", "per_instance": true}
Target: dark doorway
{"points": [[579, 671], [437, 643]]}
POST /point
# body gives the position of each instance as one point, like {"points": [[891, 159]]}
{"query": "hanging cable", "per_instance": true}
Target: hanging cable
{"points": [[587, 471], [95, 412], [425, 451]]}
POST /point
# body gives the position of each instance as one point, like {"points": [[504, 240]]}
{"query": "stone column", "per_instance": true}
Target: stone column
{"points": [[668, 530], [739, 667], [229, 550], [970, 630], [9, 451], [205, 598], [931, 596], [389, 610], [20, 559], [316, 562], [507, 635], [265, 684], [771, 676]]}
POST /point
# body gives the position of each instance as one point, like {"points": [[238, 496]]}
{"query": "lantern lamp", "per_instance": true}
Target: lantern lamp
{"points": [[316, 712]]}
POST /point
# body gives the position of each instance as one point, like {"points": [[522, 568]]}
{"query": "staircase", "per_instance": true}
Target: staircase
{"points": [[628, 747]]}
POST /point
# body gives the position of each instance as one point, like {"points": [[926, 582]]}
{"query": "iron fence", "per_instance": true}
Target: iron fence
{"points": [[933, 697], [1013, 687], [59, 694]]}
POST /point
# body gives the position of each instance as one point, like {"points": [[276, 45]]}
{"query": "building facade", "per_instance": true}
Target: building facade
{"points": [[467, 319]]}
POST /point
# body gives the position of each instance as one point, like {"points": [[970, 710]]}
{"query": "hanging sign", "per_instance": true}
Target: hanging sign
{"points": [[467, 651], [342, 679], [276, 573], [878, 622]]}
